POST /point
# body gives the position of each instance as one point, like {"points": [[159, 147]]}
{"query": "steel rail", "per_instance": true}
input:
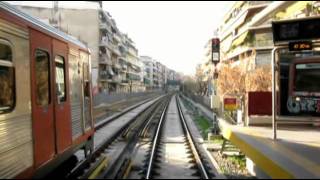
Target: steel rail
{"points": [[101, 147], [204, 174], [133, 139], [155, 141]]}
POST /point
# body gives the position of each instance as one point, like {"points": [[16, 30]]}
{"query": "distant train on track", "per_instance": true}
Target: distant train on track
{"points": [[45, 96]]}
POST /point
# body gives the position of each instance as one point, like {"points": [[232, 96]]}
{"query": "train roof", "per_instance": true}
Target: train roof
{"points": [[41, 25]]}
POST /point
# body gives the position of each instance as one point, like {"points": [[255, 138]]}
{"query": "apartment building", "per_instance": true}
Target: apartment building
{"points": [[246, 32], [81, 22], [134, 70], [115, 63], [157, 75], [246, 37], [110, 53], [242, 40], [147, 71]]}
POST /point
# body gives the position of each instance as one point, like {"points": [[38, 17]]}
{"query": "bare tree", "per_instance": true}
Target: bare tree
{"points": [[202, 85], [243, 78], [190, 84]]}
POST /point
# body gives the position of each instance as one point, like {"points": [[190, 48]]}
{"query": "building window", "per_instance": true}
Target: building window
{"points": [[7, 79], [61, 93], [42, 79]]}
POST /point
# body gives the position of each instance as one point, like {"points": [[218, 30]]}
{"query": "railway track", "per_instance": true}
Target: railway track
{"points": [[174, 153], [115, 134], [120, 165], [155, 143]]}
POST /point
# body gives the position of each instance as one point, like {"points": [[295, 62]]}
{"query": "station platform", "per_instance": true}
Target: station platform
{"points": [[295, 154]]}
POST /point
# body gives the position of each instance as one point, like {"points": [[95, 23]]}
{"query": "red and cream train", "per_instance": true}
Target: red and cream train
{"points": [[45, 96]]}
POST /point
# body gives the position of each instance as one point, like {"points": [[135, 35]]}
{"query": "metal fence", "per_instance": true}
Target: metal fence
{"points": [[103, 98]]}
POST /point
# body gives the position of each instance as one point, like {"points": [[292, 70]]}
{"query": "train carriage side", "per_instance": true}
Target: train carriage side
{"points": [[16, 141], [45, 96]]}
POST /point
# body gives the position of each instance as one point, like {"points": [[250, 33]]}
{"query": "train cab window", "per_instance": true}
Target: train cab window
{"points": [[42, 68], [60, 79], [307, 77], [7, 84]]}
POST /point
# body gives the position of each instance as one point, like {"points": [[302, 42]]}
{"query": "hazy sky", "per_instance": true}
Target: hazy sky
{"points": [[173, 33]]}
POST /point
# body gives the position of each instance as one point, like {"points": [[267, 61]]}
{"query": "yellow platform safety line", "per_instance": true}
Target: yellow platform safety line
{"points": [[310, 166], [97, 171], [262, 161], [126, 174]]}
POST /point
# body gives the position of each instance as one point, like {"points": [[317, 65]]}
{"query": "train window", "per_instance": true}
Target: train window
{"points": [[5, 52], [42, 68], [86, 80], [307, 77], [7, 84], [85, 72], [60, 79]]}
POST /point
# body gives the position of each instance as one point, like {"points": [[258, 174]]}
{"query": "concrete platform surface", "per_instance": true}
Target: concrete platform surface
{"points": [[295, 154]]}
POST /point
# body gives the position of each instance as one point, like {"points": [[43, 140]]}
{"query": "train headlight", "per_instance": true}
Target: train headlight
{"points": [[298, 99]]}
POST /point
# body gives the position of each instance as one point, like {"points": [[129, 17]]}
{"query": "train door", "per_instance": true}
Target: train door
{"points": [[86, 92], [42, 103], [61, 96]]}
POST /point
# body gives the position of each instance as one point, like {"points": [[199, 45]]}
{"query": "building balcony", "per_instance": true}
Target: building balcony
{"points": [[255, 3], [104, 42], [249, 9], [263, 43], [123, 63], [114, 49], [104, 25], [117, 37], [135, 68], [133, 52], [123, 50], [147, 81], [105, 60], [116, 79], [134, 72], [133, 77], [104, 76], [125, 81], [116, 65], [104, 56]]}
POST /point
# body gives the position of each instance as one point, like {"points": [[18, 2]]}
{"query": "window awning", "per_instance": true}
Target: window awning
{"points": [[108, 53], [110, 71], [234, 24], [240, 39], [135, 67], [133, 77], [118, 66], [123, 62], [291, 10]]}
